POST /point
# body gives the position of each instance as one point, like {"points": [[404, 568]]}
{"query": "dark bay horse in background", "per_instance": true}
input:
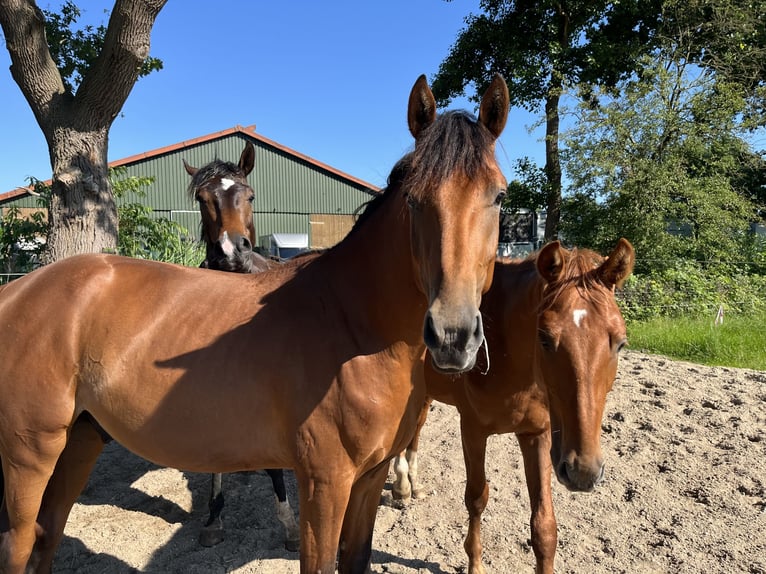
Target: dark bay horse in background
{"points": [[554, 332], [224, 196], [315, 365], [225, 199]]}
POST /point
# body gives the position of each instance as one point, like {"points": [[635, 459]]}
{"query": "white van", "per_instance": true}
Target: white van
{"points": [[284, 245]]}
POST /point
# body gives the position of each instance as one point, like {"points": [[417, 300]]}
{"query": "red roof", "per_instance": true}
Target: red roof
{"points": [[248, 131]]}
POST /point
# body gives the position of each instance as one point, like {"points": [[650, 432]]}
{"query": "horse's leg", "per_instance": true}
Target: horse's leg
{"points": [[212, 532], [401, 490], [359, 522], [85, 443], [476, 493], [323, 502], [26, 470], [284, 511], [537, 467], [406, 484]]}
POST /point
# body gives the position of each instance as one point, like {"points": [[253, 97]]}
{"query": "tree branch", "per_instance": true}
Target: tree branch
{"points": [[107, 84], [32, 67]]}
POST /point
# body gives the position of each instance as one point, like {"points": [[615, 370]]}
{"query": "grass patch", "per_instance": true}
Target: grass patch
{"points": [[739, 342]]}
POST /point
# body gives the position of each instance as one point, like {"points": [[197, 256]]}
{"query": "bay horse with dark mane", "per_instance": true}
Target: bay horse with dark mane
{"points": [[224, 196], [315, 365], [554, 332]]}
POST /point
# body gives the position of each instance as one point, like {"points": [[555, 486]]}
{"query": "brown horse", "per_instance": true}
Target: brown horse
{"points": [[315, 365], [554, 332], [225, 198]]}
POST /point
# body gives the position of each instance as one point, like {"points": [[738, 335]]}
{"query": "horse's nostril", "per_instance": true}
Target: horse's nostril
{"points": [[430, 336], [244, 244], [478, 331], [563, 472]]}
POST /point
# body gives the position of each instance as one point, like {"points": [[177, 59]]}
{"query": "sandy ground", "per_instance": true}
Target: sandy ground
{"points": [[685, 492]]}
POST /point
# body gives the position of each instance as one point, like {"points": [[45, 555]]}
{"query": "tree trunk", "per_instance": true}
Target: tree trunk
{"points": [[82, 214], [552, 157], [552, 164]]}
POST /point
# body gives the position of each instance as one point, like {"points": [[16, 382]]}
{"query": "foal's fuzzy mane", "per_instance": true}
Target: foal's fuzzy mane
{"points": [[216, 168], [580, 272]]}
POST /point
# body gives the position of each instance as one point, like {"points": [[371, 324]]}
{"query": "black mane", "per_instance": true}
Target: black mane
{"points": [[455, 142], [216, 168]]}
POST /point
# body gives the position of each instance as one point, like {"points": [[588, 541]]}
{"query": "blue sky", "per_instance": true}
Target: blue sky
{"points": [[328, 79]]}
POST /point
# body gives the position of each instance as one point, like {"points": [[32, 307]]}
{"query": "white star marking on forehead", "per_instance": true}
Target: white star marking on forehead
{"points": [[226, 183], [577, 316]]}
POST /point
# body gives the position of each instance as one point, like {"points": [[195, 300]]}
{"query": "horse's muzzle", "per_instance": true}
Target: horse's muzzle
{"points": [[453, 348], [231, 253], [578, 476]]}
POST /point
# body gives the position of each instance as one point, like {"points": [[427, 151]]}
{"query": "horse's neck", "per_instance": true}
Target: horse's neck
{"points": [[514, 298], [373, 268]]}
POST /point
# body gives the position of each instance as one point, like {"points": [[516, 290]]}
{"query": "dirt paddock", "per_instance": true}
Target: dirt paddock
{"points": [[685, 492]]}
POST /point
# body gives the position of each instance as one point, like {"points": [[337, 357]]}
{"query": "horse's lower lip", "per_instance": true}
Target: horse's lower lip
{"points": [[452, 369], [447, 370]]}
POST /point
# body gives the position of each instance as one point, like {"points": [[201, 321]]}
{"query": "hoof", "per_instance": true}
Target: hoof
{"points": [[418, 494], [403, 496], [292, 545], [210, 537]]}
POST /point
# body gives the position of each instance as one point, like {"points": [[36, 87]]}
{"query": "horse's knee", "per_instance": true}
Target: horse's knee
{"points": [[476, 498]]}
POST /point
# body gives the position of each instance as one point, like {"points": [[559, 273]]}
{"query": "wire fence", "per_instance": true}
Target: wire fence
{"points": [[8, 277]]}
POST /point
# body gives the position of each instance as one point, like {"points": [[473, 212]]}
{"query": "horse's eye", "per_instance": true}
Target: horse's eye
{"points": [[251, 198], [412, 203], [547, 341], [500, 197], [621, 345]]}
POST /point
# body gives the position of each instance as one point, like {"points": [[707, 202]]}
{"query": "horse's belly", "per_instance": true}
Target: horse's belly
{"points": [[205, 424]]}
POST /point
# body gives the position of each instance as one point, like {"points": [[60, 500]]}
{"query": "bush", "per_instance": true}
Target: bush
{"points": [[689, 290], [21, 241]]}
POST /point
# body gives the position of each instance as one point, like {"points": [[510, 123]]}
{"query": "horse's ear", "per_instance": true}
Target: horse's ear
{"points": [[550, 262], [421, 110], [619, 265], [189, 169], [247, 159], [495, 103]]}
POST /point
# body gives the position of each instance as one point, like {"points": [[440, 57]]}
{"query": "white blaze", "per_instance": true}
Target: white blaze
{"points": [[226, 183], [577, 316], [227, 245]]}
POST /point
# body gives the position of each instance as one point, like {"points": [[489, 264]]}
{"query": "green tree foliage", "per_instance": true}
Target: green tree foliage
{"points": [[664, 165], [20, 241], [74, 50], [529, 190], [727, 37], [542, 49]]}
